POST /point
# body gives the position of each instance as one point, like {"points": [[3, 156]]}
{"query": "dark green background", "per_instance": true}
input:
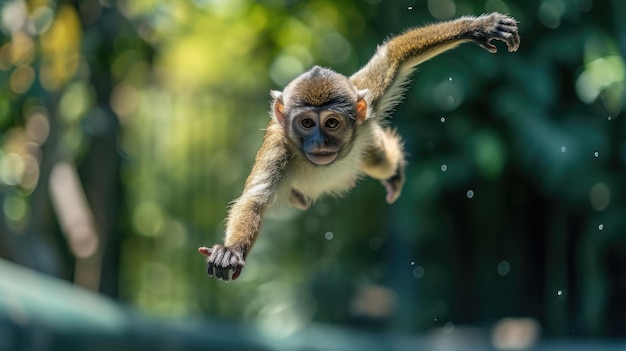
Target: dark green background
{"points": [[159, 106]]}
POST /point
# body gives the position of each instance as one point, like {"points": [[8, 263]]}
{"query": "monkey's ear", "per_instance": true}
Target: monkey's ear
{"points": [[361, 106], [279, 106], [275, 94]]}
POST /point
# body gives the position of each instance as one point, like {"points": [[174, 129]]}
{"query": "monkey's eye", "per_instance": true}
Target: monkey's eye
{"points": [[307, 123], [332, 123]]}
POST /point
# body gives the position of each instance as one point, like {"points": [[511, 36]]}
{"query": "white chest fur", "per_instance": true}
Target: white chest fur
{"points": [[313, 181]]}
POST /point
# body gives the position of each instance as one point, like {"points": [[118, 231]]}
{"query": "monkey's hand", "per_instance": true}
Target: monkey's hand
{"points": [[394, 184], [499, 27], [222, 259]]}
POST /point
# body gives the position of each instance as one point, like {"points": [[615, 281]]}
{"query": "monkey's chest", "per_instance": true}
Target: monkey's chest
{"points": [[314, 181]]}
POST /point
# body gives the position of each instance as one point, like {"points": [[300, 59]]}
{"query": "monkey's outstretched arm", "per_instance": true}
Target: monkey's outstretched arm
{"points": [[244, 217], [385, 74]]}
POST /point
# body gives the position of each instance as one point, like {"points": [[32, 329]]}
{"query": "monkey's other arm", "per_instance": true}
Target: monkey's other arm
{"points": [[385, 75], [245, 215], [387, 71]]}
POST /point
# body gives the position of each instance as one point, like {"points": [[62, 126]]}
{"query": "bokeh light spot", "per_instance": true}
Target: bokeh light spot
{"points": [[14, 207], [600, 196]]}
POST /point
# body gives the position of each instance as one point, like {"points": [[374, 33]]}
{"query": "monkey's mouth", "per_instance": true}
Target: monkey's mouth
{"points": [[321, 157]]}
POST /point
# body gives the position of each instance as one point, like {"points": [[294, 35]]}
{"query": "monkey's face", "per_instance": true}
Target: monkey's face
{"points": [[321, 134], [319, 111]]}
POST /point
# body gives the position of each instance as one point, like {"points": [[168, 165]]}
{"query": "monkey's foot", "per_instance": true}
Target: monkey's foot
{"points": [[221, 260], [499, 27], [393, 185], [299, 200]]}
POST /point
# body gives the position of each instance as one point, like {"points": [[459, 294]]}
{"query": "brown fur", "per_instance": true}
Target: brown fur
{"points": [[282, 173]]}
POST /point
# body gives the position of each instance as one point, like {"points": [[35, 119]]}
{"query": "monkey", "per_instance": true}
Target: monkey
{"points": [[328, 130]]}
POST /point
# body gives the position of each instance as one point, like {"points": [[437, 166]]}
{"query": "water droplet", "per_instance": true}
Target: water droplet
{"points": [[562, 294], [444, 168], [596, 154], [504, 267], [470, 194], [443, 119], [450, 79], [609, 118], [601, 226], [434, 320], [563, 149], [412, 263], [410, 8], [329, 235]]}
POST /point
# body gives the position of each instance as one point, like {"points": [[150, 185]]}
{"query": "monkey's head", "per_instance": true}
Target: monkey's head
{"points": [[319, 111]]}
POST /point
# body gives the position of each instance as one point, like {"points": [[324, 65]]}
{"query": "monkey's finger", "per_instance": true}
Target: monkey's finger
{"points": [[223, 274], [509, 35], [487, 45], [513, 44], [236, 261], [209, 270], [236, 273], [204, 251], [511, 38], [392, 192], [507, 22], [216, 256], [225, 262]]}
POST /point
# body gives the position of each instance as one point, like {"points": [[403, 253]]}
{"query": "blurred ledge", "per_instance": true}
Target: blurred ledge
{"points": [[40, 313]]}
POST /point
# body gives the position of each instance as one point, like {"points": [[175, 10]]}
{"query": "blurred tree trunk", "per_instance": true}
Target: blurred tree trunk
{"points": [[36, 245], [100, 166]]}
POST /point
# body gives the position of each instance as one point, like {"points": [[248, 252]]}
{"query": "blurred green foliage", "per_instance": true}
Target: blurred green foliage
{"points": [[515, 194]]}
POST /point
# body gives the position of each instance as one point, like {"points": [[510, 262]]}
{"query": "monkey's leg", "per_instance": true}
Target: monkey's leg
{"points": [[385, 161]]}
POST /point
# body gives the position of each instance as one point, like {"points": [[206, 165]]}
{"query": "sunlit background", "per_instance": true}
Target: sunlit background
{"points": [[127, 126]]}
